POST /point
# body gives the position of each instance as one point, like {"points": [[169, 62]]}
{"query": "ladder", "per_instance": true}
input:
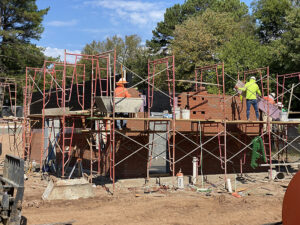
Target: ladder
{"points": [[68, 132], [12, 88], [80, 84], [221, 144], [263, 86], [2, 90], [27, 139], [59, 87], [50, 83], [95, 146]]}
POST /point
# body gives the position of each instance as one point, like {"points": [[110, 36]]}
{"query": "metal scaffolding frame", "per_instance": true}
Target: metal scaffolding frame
{"points": [[280, 135], [62, 81], [12, 124], [99, 129]]}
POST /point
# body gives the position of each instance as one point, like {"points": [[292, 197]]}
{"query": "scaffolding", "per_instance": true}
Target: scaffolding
{"points": [[282, 141], [69, 110], [62, 106], [11, 125]]}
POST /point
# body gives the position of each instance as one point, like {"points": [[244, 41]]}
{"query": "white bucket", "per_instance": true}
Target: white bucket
{"points": [[274, 174], [177, 113], [284, 116], [185, 114], [228, 185]]}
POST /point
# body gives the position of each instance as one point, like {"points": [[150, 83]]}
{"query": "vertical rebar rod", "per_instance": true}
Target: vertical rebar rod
{"points": [[64, 112], [174, 117], [224, 96], [113, 125], [225, 149], [269, 122], [43, 118]]}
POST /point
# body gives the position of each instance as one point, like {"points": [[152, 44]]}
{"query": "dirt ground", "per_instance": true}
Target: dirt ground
{"points": [[260, 203]]}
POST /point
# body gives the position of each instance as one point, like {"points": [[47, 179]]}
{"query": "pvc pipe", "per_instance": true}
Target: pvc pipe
{"points": [[195, 170]]}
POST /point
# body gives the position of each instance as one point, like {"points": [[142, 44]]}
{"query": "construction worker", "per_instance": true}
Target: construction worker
{"points": [[280, 107], [121, 92], [271, 98], [265, 116], [251, 89], [282, 110]]}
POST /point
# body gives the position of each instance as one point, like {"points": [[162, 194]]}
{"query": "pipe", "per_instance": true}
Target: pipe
{"points": [[195, 170]]}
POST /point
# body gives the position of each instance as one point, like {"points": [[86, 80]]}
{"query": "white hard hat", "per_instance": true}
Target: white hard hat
{"points": [[279, 104], [122, 81], [253, 78], [273, 95]]}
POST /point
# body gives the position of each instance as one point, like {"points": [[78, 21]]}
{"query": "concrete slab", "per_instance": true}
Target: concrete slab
{"points": [[68, 189]]}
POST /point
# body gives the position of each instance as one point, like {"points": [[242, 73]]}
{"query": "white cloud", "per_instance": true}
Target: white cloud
{"points": [[137, 12], [58, 52], [58, 23]]}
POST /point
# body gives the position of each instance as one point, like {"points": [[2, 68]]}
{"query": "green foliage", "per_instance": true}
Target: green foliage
{"points": [[164, 30], [198, 40], [238, 9], [129, 50], [20, 22], [177, 14], [281, 24], [287, 49], [126, 49], [242, 52], [271, 17]]}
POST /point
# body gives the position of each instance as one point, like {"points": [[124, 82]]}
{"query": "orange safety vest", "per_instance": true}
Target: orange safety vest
{"points": [[270, 100], [122, 92]]}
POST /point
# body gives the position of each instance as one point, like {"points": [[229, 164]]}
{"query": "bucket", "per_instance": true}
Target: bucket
{"points": [[180, 182], [185, 114], [228, 185], [283, 116], [274, 174], [177, 113]]}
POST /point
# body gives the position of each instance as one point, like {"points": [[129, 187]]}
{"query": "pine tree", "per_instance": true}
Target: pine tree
{"points": [[20, 22]]}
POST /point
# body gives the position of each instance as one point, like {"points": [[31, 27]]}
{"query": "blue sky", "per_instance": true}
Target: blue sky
{"points": [[70, 24]]}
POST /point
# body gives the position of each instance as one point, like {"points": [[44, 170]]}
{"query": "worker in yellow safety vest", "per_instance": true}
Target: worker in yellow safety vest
{"points": [[251, 89]]}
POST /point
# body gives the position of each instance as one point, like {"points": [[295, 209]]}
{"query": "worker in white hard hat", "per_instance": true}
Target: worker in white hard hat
{"points": [[251, 89], [271, 99], [280, 106], [282, 110], [121, 92]]}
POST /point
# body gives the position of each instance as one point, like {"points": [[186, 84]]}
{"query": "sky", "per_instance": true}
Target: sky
{"points": [[71, 24]]}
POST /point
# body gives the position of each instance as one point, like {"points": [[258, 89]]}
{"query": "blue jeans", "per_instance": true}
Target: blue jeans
{"points": [[253, 102], [121, 123]]}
